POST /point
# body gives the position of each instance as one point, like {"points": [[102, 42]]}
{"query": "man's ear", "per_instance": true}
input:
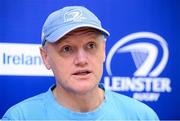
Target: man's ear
{"points": [[44, 56], [104, 52]]}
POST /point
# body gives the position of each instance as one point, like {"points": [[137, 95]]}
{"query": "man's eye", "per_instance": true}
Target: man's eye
{"points": [[91, 45], [67, 49]]}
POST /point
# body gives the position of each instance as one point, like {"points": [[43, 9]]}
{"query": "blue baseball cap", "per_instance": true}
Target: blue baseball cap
{"points": [[64, 20]]}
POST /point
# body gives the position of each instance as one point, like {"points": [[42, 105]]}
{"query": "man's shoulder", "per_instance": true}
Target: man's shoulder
{"points": [[123, 99], [34, 100], [30, 105], [132, 106]]}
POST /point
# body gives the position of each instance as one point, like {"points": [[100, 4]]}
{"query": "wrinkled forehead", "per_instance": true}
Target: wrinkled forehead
{"points": [[82, 31]]}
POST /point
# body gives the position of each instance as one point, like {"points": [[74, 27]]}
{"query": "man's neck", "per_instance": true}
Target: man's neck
{"points": [[80, 103]]}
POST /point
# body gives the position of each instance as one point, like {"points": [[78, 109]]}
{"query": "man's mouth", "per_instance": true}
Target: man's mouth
{"points": [[82, 72]]}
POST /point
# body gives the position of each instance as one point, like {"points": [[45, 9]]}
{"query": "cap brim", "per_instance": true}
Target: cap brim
{"points": [[59, 33]]}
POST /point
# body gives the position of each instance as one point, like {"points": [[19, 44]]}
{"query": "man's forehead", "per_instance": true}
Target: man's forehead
{"points": [[81, 31]]}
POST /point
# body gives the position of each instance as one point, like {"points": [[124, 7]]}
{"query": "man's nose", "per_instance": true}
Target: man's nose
{"points": [[81, 58]]}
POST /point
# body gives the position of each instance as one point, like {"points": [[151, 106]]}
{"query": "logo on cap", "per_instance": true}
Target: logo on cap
{"points": [[74, 15]]}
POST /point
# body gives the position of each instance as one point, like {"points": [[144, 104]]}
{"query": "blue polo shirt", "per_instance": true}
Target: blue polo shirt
{"points": [[115, 107]]}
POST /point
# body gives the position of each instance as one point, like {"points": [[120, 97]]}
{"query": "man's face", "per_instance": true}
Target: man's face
{"points": [[76, 60]]}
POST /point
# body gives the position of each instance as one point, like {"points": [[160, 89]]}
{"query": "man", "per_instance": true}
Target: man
{"points": [[73, 47]]}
